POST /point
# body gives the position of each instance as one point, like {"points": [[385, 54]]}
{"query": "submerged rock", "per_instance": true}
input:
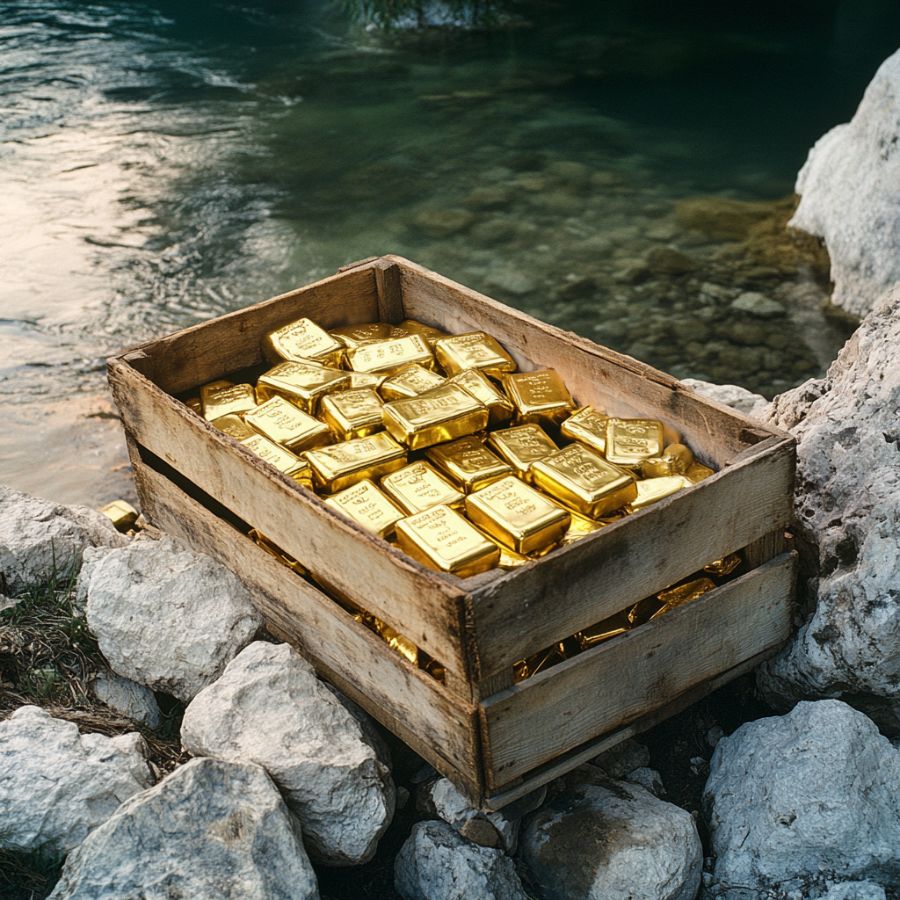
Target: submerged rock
{"points": [[57, 785], [211, 829], [269, 708], [850, 195]]}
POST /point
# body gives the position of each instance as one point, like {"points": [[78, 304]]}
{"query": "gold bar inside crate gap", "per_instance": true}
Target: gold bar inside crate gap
{"points": [[284, 423], [410, 382], [281, 459], [533, 665], [221, 398], [352, 414], [518, 516], [342, 465], [441, 538], [356, 335], [587, 425], [418, 487], [468, 463], [585, 481], [301, 341], [500, 408], [540, 397], [697, 472], [303, 383], [473, 350], [724, 566], [368, 507], [233, 425], [274, 550], [521, 446], [630, 441], [196, 404], [603, 631], [651, 490], [676, 459], [441, 415], [429, 332], [683, 593], [387, 357]]}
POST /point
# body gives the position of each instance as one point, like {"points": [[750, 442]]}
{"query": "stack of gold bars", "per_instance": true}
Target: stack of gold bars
{"points": [[437, 443]]}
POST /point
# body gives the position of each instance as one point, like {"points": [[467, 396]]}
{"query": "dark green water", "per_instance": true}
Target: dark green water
{"points": [[163, 162]]}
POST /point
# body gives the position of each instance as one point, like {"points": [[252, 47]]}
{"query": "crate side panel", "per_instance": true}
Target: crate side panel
{"points": [[437, 725], [612, 685]]}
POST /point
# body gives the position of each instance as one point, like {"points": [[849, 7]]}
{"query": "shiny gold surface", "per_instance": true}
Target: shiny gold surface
{"points": [[443, 414], [364, 504], [683, 593], [630, 441], [387, 357], [364, 380], [583, 480], [342, 465], [581, 527], [483, 389], [303, 383], [429, 332], [352, 414], [643, 611], [356, 335], [418, 487], [676, 459], [651, 490], [233, 425], [468, 463], [284, 423], [443, 539], [410, 382], [521, 446], [603, 631], [528, 668], [540, 397], [281, 459], [517, 516], [473, 350], [587, 425], [220, 399], [196, 404], [697, 472], [121, 513], [300, 341], [273, 550], [724, 566]]}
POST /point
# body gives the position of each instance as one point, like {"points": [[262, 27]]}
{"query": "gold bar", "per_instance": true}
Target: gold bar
{"points": [[441, 538], [282, 422], [509, 559], [581, 527], [364, 380], [676, 459], [274, 550], [540, 397], [643, 611], [651, 490], [196, 404], [473, 350], [121, 513], [352, 414], [697, 472], [521, 446], [587, 425], [429, 332], [603, 631], [219, 399], [387, 357], [364, 504], [303, 341], [281, 459], [683, 593], [356, 335], [630, 441], [233, 425], [303, 383], [518, 516], [410, 382], [582, 479], [418, 487], [342, 465], [481, 387], [527, 668], [468, 463], [724, 566], [397, 642], [443, 414]]}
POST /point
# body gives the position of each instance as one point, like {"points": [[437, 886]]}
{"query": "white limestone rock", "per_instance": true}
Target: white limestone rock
{"points": [[268, 707], [850, 195], [738, 398], [57, 785], [210, 830], [599, 839], [435, 863], [814, 792], [168, 618], [127, 698], [39, 538], [855, 890]]}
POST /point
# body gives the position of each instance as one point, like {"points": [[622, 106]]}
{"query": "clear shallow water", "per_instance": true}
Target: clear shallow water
{"points": [[161, 164]]}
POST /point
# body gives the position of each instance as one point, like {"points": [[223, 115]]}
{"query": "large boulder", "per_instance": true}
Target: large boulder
{"points": [[738, 398], [56, 785], [850, 195], [168, 618], [211, 829], [600, 838], [40, 539], [814, 792], [847, 518], [436, 863], [269, 708]]}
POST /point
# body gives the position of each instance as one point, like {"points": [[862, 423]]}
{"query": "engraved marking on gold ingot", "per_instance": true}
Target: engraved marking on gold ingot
{"points": [[468, 463], [587, 425], [418, 487], [303, 383], [387, 357], [221, 398], [233, 425], [352, 414], [539, 397], [410, 382], [442, 414], [341, 465], [282, 422], [303, 340], [630, 441], [356, 335], [473, 350], [482, 388], [521, 446], [368, 507], [281, 459]]}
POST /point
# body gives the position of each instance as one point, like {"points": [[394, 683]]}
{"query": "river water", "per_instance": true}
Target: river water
{"points": [[164, 162]]}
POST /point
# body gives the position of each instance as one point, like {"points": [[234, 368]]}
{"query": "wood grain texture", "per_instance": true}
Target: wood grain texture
{"points": [[381, 579], [390, 293], [605, 688], [422, 713]]}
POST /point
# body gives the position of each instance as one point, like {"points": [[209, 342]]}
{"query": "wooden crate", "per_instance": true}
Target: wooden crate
{"points": [[496, 739]]}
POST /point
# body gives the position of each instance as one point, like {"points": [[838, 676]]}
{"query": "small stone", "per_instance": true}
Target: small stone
{"points": [[573, 173], [493, 196], [647, 778], [127, 698], [758, 305], [511, 281], [493, 231], [669, 261], [622, 758], [714, 735], [439, 223]]}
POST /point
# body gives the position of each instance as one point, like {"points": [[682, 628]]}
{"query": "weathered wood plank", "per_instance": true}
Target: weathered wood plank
{"points": [[605, 688], [422, 713], [406, 595], [390, 294]]}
